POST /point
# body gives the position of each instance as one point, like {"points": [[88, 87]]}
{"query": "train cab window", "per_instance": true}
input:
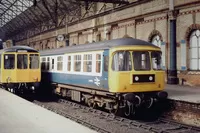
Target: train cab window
{"points": [[22, 61], [9, 61], [59, 63], [98, 63], [69, 63], [43, 63], [156, 60], [141, 60], [48, 63], [77, 63], [87, 63], [122, 61], [106, 62], [34, 61]]}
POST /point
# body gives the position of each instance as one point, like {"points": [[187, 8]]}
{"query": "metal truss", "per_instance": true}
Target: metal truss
{"points": [[22, 18]]}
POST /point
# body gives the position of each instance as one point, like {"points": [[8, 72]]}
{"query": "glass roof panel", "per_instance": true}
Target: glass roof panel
{"points": [[9, 9]]}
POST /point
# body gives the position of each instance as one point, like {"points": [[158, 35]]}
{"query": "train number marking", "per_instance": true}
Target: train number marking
{"points": [[97, 81]]}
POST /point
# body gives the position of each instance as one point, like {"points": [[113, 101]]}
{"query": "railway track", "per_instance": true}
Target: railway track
{"points": [[104, 122]]}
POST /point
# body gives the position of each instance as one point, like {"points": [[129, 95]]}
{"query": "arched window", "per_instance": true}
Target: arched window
{"points": [[194, 53], [156, 40]]}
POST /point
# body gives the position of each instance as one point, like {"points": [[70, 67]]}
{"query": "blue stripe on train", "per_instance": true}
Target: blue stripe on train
{"points": [[96, 82]]}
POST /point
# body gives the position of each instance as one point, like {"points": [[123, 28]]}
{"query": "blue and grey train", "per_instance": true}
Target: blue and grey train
{"points": [[113, 74]]}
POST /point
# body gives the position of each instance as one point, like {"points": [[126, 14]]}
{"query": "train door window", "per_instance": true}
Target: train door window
{"points": [[77, 63], [9, 61], [69, 63], [87, 63], [106, 62], [141, 60], [52, 64], [59, 63], [48, 63], [156, 60], [122, 61], [43, 63], [22, 61], [98, 63], [34, 61]]}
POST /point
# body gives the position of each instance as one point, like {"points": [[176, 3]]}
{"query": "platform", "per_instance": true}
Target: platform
{"points": [[20, 116], [183, 93]]}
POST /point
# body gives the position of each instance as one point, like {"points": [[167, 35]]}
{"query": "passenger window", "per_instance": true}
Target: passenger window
{"points": [[98, 63], [34, 61], [69, 63], [9, 61], [106, 62], [87, 63], [141, 60], [43, 63], [59, 63], [77, 63], [122, 61]]}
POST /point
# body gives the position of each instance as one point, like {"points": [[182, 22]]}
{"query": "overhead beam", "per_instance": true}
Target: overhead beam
{"points": [[108, 1]]}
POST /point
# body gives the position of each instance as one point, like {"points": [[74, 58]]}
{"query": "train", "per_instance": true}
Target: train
{"points": [[20, 69], [119, 74]]}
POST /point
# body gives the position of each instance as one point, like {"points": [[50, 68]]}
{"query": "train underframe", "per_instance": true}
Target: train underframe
{"points": [[21, 87], [126, 103]]}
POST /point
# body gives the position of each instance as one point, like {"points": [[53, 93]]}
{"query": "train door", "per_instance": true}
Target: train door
{"points": [[105, 69], [22, 72]]}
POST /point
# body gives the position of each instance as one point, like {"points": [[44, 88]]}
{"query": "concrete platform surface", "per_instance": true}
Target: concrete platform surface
{"points": [[20, 116], [183, 93]]}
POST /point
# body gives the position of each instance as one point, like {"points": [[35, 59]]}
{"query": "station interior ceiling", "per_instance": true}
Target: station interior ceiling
{"points": [[18, 15]]}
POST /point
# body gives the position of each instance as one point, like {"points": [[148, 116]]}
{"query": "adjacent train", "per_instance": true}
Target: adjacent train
{"points": [[119, 74], [20, 69]]}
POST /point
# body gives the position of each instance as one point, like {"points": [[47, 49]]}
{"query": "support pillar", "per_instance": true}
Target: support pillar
{"points": [[172, 72]]}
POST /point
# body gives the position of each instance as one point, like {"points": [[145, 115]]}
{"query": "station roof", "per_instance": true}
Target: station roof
{"points": [[19, 15]]}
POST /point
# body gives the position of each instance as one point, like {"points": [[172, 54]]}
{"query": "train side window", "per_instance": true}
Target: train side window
{"points": [[9, 61], [69, 63], [77, 63], [98, 63], [87, 63], [122, 61], [43, 63], [48, 63], [106, 62], [34, 61], [59, 63]]}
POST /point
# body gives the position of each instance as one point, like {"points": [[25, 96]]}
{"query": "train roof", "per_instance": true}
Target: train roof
{"points": [[17, 48], [97, 46]]}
